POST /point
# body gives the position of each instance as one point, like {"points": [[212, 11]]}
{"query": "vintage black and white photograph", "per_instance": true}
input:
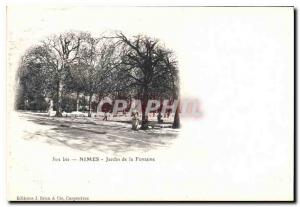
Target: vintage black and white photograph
{"points": [[110, 92], [120, 103]]}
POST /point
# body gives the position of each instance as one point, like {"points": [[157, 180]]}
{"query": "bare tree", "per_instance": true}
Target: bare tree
{"points": [[143, 61], [166, 82], [63, 50], [171, 66], [75, 82], [96, 59]]}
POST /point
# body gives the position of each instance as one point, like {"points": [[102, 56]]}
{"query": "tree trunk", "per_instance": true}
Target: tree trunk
{"points": [[90, 106], [77, 101], [144, 124], [176, 122], [58, 99]]}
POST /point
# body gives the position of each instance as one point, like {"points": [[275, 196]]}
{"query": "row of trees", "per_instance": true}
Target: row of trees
{"points": [[78, 63]]}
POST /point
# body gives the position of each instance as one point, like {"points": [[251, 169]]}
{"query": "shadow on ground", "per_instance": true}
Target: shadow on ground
{"points": [[88, 134]]}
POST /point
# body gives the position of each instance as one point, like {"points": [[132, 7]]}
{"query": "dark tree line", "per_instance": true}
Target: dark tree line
{"points": [[78, 63]]}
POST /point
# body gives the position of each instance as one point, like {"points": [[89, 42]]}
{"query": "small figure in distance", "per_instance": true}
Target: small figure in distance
{"points": [[159, 118], [135, 121], [105, 116]]}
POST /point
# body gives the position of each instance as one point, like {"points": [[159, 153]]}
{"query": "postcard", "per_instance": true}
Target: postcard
{"points": [[150, 103]]}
